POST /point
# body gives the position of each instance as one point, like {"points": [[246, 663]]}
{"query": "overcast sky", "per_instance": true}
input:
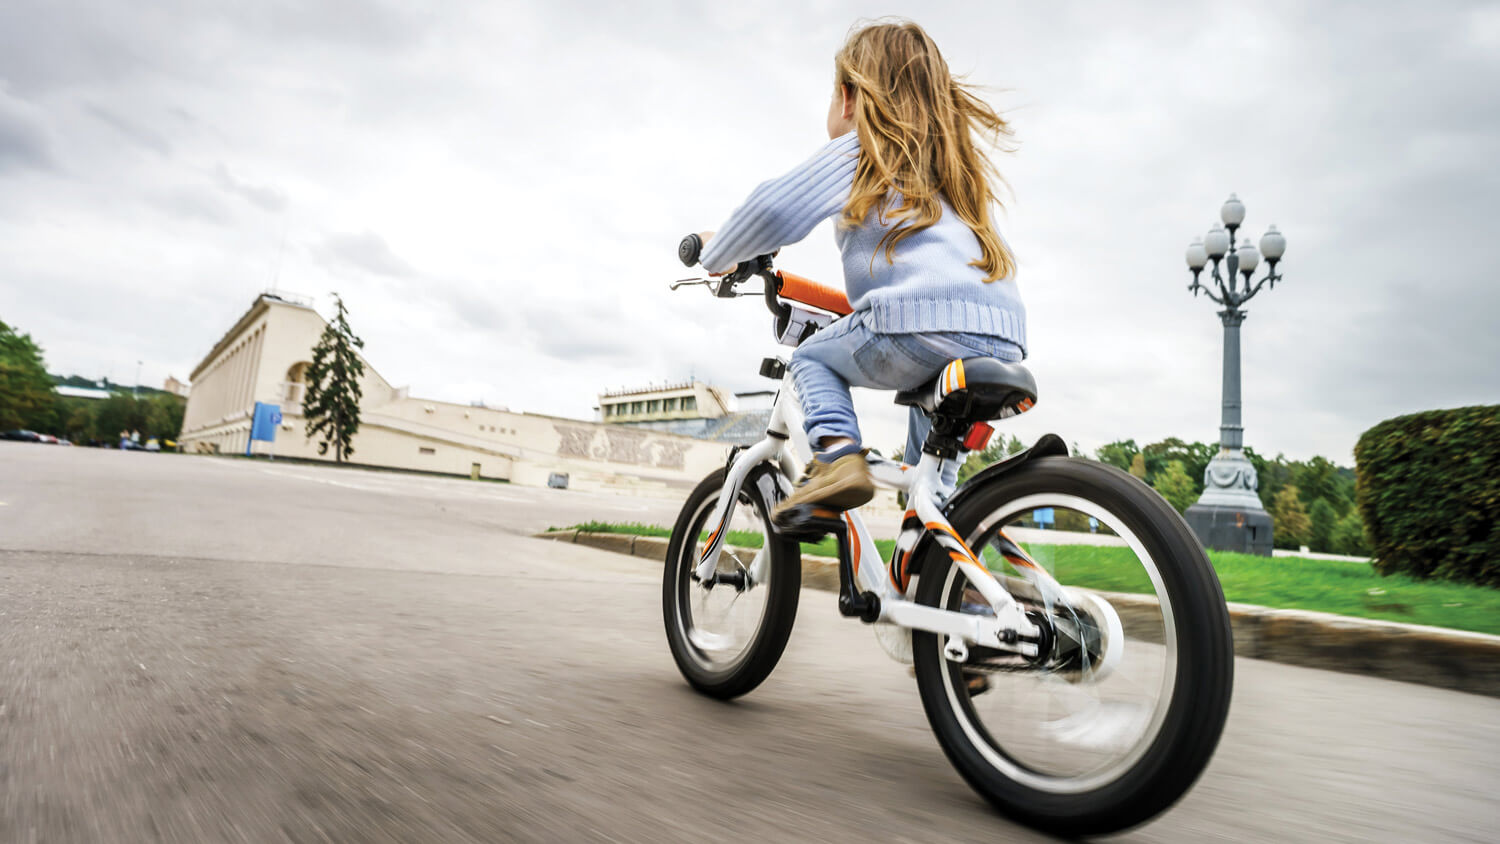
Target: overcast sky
{"points": [[497, 190]]}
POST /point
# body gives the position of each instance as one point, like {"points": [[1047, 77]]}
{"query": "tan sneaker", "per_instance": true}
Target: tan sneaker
{"points": [[841, 485]]}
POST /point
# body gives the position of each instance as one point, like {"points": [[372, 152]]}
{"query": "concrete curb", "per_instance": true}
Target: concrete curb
{"points": [[1412, 653]]}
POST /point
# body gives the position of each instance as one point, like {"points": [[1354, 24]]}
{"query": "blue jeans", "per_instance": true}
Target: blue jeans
{"points": [[848, 354]]}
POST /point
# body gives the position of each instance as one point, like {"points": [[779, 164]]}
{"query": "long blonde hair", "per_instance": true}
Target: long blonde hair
{"points": [[916, 127]]}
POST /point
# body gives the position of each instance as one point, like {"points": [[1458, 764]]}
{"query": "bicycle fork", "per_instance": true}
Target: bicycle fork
{"points": [[738, 469]]}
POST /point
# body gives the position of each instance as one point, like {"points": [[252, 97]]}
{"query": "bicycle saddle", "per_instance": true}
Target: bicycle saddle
{"points": [[975, 389]]}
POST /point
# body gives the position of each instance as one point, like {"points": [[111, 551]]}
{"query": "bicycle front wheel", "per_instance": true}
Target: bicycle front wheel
{"points": [[726, 640], [1122, 709]]}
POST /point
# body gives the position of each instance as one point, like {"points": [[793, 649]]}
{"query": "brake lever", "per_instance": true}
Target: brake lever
{"points": [[721, 287]]}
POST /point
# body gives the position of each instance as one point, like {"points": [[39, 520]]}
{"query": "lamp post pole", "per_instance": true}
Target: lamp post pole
{"points": [[1229, 515]]}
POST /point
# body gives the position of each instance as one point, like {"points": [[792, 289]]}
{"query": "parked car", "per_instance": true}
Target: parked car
{"points": [[46, 438], [22, 435]]}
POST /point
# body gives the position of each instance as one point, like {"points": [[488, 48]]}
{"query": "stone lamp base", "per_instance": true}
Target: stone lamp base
{"points": [[1231, 529], [1229, 515]]}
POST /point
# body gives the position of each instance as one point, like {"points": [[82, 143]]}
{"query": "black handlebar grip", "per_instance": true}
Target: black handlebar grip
{"points": [[688, 249]]}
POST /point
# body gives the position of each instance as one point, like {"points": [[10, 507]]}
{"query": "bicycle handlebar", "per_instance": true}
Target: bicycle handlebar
{"points": [[779, 284], [800, 289]]}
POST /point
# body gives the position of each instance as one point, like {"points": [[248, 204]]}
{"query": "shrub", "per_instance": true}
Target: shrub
{"points": [[1429, 493]]}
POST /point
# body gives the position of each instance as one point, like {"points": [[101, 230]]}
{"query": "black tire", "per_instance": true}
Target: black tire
{"points": [[764, 649], [1194, 714]]}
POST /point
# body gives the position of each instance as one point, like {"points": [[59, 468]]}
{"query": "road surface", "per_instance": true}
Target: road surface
{"points": [[201, 649]]}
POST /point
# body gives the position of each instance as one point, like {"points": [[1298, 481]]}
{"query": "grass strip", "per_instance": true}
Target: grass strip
{"points": [[1330, 586]]}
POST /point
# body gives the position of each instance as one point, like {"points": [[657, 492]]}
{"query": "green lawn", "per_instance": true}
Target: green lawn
{"points": [[1283, 582]]}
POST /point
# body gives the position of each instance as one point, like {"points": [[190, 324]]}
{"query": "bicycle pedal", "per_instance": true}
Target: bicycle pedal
{"points": [[806, 523]]}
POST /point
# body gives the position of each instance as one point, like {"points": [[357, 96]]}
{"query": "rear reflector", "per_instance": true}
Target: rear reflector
{"points": [[978, 436]]}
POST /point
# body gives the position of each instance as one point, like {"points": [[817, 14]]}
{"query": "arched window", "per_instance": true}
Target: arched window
{"points": [[296, 382]]}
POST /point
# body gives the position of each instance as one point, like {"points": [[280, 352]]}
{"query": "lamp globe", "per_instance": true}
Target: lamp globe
{"points": [[1233, 212], [1272, 244]]}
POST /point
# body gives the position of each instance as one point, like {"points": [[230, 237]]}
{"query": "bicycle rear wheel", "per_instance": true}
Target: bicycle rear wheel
{"points": [[1123, 708], [726, 640]]}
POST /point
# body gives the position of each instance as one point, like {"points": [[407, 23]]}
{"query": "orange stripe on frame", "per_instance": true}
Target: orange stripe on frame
{"points": [[854, 539], [962, 382], [961, 543]]}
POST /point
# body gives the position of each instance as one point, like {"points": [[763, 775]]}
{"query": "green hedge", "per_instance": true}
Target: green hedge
{"points": [[1429, 491]]}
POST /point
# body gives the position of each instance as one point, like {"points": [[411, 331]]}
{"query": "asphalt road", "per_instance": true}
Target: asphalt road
{"points": [[201, 649]]}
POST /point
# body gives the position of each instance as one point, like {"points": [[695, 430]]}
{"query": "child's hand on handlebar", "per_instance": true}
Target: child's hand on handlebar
{"points": [[705, 237]]}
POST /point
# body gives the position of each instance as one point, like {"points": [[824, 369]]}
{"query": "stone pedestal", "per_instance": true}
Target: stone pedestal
{"points": [[1231, 529], [1229, 515]]}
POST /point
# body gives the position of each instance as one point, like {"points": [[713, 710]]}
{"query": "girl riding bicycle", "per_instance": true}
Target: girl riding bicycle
{"points": [[926, 272]]}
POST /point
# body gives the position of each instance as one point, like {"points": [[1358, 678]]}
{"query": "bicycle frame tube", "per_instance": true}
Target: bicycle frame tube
{"points": [[923, 484]]}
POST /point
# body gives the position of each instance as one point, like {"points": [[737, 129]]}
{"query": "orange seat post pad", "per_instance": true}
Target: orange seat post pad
{"points": [[797, 288]]}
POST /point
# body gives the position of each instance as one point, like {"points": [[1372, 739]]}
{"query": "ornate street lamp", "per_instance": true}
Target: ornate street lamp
{"points": [[1229, 515]]}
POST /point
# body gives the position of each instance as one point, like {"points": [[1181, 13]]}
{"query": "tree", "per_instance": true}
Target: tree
{"points": [[999, 448], [1349, 536], [26, 395], [331, 403], [1324, 520], [1193, 456], [78, 421], [1174, 485], [1138, 466], [120, 413], [1316, 478], [164, 415], [1118, 454], [1289, 519]]}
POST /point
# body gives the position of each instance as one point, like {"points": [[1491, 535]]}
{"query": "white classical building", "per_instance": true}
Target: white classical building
{"points": [[264, 358]]}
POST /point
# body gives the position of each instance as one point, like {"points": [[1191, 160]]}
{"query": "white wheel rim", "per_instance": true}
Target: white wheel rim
{"points": [[1114, 770]]}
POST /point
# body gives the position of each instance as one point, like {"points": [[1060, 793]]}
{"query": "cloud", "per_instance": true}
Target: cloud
{"points": [[265, 197], [142, 136], [24, 141], [193, 204], [366, 251]]}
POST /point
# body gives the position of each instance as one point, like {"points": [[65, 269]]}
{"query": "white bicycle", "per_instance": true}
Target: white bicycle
{"points": [[1070, 639]]}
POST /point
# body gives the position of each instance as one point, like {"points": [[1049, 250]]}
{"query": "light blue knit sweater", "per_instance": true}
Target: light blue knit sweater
{"points": [[930, 287]]}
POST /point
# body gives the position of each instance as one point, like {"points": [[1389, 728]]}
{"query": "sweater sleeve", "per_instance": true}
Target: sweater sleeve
{"points": [[784, 210]]}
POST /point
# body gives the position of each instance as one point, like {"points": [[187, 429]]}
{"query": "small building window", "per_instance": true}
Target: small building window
{"points": [[424, 450], [690, 403], [671, 405]]}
